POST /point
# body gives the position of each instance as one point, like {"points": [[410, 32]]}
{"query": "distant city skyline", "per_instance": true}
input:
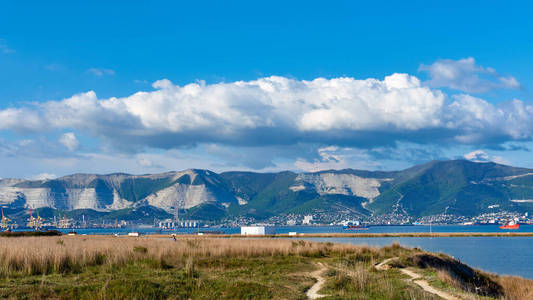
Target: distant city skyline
{"points": [[140, 87]]}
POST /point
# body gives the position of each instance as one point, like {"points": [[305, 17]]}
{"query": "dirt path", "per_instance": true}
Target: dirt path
{"points": [[418, 280], [312, 293], [382, 266]]}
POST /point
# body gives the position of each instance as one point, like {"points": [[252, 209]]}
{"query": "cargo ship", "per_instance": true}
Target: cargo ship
{"points": [[354, 225], [510, 225]]}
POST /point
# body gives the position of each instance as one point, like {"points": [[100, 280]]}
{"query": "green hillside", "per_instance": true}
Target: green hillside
{"points": [[269, 194], [459, 186]]}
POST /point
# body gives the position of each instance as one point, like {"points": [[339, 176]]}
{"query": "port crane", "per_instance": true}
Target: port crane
{"points": [[4, 223], [64, 222], [35, 222], [179, 202]]}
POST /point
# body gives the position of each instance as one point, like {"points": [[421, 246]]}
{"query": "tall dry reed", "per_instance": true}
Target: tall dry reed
{"points": [[516, 288], [44, 255]]}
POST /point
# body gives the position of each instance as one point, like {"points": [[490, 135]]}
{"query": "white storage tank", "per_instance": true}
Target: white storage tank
{"points": [[257, 230]]}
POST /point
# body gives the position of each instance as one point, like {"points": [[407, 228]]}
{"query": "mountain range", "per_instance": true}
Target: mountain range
{"points": [[459, 187]]}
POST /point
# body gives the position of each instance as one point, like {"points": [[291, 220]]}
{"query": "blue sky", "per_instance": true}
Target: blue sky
{"points": [[50, 52]]}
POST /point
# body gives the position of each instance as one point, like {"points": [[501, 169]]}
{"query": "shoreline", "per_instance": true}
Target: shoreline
{"points": [[359, 235]]}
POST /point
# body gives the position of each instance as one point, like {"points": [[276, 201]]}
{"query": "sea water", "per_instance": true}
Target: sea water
{"points": [[501, 255]]}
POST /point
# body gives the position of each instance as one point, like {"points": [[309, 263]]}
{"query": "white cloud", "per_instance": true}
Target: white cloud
{"points": [[275, 111], [21, 119], [466, 76], [481, 121], [38, 148], [143, 162], [337, 158], [70, 141], [501, 160], [103, 163], [329, 158], [477, 156], [396, 157], [43, 176], [235, 113], [482, 156], [99, 72]]}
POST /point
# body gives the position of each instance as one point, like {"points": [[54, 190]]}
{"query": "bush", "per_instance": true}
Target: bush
{"points": [[30, 233], [140, 249]]}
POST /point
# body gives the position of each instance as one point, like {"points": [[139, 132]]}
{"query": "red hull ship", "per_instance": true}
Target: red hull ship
{"points": [[510, 225]]}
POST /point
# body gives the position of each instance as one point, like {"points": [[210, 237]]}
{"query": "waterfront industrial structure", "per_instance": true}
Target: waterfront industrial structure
{"points": [[172, 224], [4, 222]]}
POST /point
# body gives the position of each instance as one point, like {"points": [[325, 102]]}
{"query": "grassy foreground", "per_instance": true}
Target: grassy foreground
{"points": [[96, 267]]}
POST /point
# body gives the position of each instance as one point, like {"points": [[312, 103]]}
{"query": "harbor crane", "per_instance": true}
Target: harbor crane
{"points": [[35, 222], [4, 223]]}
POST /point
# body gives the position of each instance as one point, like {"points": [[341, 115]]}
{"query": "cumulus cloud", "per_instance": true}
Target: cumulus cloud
{"points": [[144, 162], [39, 148], [466, 76], [147, 163], [272, 110], [43, 176], [481, 121], [477, 156], [275, 110], [397, 157], [70, 141], [331, 157], [482, 156], [99, 72]]}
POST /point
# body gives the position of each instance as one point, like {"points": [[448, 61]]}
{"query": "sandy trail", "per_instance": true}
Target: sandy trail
{"points": [[382, 266], [418, 280], [312, 293]]}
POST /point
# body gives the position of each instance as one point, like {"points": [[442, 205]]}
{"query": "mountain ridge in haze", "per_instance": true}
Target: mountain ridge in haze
{"points": [[459, 187]]}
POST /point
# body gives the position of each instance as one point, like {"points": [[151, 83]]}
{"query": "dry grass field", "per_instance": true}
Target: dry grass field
{"points": [[98, 267]]}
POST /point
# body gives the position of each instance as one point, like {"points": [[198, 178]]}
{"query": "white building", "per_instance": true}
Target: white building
{"points": [[307, 220], [257, 230]]}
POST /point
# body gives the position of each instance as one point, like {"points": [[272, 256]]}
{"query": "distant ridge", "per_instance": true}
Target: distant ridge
{"points": [[457, 187]]}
